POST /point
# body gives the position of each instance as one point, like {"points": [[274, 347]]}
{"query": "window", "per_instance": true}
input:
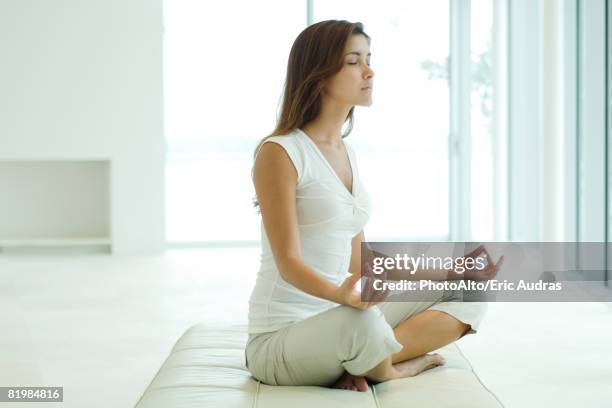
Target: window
{"points": [[401, 140], [481, 120], [223, 75], [224, 70]]}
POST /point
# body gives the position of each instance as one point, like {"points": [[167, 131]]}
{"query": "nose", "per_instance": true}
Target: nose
{"points": [[369, 72]]}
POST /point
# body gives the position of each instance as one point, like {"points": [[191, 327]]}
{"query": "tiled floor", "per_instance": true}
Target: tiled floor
{"points": [[101, 326]]}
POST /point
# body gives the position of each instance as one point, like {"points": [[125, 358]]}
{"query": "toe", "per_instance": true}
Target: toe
{"points": [[360, 383]]}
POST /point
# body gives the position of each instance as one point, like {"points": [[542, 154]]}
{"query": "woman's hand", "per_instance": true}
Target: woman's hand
{"points": [[489, 271], [346, 294]]}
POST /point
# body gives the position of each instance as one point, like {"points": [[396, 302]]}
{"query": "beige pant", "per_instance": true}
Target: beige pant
{"points": [[317, 350]]}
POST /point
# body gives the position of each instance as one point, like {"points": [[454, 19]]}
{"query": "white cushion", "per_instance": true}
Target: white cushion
{"points": [[206, 369]]}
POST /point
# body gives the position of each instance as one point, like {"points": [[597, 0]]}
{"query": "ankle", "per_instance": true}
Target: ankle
{"points": [[391, 373], [394, 373]]}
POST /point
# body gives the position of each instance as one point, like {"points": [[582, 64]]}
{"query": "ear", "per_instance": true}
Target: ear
{"points": [[324, 86]]}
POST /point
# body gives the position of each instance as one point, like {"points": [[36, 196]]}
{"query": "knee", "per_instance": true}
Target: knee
{"points": [[367, 326], [365, 336]]}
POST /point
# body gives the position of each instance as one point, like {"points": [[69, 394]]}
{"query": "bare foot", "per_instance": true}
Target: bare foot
{"points": [[412, 367], [351, 382]]}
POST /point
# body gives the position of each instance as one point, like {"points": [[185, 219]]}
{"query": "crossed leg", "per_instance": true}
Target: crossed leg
{"points": [[426, 331], [419, 334], [319, 349]]}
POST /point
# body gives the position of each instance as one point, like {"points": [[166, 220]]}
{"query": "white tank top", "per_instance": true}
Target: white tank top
{"points": [[329, 216]]}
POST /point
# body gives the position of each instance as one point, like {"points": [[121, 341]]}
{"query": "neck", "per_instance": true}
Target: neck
{"points": [[327, 127]]}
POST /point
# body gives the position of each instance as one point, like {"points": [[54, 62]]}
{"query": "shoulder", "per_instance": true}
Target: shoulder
{"points": [[287, 141], [280, 154], [278, 147]]}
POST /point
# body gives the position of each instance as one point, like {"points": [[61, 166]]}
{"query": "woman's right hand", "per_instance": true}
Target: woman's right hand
{"points": [[346, 294]]}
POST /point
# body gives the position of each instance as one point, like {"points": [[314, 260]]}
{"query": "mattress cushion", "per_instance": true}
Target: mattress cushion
{"points": [[206, 369]]}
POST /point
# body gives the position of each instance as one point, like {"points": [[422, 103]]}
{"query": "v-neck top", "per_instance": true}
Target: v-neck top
{"points": [[328, 216], [324, 159]]}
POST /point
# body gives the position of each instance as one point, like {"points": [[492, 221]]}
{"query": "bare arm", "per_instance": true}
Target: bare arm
{"points": [[275, 180]]}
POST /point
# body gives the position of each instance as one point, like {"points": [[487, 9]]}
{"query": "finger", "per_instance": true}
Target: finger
{"points": [[478, 248], [381, 293], [373, 297], [367, 269], [381, 297], [352, 279], [385, 294], [476, 252], [472, 254], [348, 285], [372, 293], [497, 264], [489, 259], [486, 256], [366, 289], [494, 269], [500, 261]]}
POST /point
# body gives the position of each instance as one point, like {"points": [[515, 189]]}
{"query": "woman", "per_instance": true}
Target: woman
{"points": [[307, 323]]}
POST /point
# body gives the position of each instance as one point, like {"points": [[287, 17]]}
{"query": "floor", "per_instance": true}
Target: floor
{"points": [[101, 326]]}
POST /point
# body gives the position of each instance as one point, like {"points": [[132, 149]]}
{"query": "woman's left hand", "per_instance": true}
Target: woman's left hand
{"points": [[489, 271]]}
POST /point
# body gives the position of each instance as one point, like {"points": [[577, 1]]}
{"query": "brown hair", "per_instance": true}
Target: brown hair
{"points": [[316, 55]]}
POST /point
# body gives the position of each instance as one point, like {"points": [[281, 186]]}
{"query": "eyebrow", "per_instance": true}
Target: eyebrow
{"points": [[358, 53]]}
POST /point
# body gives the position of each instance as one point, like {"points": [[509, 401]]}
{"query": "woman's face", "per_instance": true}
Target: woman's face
{"points": [[353, 85]]}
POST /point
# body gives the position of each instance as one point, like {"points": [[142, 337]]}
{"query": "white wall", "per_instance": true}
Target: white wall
{"points": [[83, 80]]}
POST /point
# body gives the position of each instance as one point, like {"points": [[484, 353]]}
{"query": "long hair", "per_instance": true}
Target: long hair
{"points": [[316, 55]]}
